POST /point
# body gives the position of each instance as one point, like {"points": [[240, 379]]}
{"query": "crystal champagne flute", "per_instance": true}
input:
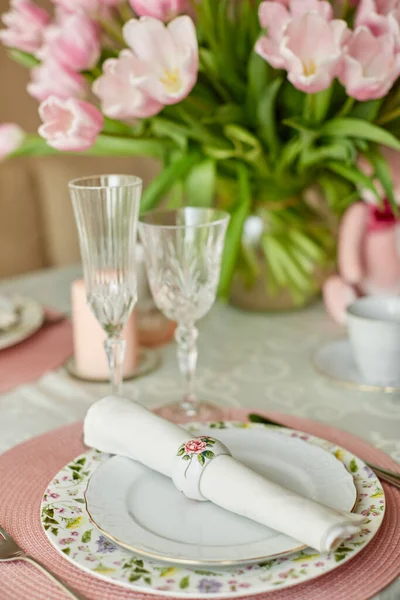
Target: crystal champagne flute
{"points": [[183, 251], [106, 210]]}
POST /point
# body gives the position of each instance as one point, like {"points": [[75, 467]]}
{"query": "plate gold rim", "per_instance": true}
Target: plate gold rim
{"points": [[216, 563], [188, 562]]}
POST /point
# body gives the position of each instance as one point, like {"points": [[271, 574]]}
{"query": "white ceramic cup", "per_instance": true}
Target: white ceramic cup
{"points": [[374, 332]]}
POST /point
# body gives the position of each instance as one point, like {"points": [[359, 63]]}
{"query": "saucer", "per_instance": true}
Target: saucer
{"points": [[335, 362], [149, 360]]}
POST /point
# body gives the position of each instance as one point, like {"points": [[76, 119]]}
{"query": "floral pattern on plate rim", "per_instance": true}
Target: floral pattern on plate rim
{"points": [[69, 529]]}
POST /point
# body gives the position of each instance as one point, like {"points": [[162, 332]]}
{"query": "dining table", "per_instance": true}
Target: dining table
{"points": [[259, 361]]}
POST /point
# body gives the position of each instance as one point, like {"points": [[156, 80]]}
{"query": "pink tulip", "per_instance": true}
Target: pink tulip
{"points": [[69, 125], [74, 43], [169, 56], [274, 18], [381, 16], [119, 91], [299, 8], [89, 7], [312, 50], [370, 65], [25, 24], [11, 137], [165, 10], [62, 15], [52, 79]]}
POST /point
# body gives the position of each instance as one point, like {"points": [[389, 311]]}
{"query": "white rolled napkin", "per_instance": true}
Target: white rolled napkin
{"points": [[119, 426]]}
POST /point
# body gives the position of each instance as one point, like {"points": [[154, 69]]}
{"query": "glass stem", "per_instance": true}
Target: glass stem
{"points": [[186, 337], [115, 350]]}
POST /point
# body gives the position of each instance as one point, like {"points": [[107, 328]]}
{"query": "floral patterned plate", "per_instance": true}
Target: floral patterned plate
{"points": [[69, 529], [145, 513]]}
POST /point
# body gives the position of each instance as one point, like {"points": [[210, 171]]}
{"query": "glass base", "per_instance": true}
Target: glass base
{"points": [[184, 413]]}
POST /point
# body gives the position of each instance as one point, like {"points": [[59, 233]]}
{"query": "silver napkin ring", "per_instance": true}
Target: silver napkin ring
{"points": [[192, 458]]}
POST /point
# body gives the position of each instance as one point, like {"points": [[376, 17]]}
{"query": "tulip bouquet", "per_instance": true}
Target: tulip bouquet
{"points": [[259, 107]]}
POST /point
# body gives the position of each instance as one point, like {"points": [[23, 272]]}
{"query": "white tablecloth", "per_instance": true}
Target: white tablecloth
{"points": [[251, 360]]}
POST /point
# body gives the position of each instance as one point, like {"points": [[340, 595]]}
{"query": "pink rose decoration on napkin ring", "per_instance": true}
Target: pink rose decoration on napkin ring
{"points": [[192, 458]]}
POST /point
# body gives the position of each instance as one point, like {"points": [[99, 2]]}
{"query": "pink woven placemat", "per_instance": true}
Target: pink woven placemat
{"points": [[26, 470], [44, 351]]}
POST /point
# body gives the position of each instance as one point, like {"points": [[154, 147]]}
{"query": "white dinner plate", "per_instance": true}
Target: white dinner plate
{"points": [[143, 511], [31, 319], [68, 527], [335, 361]]}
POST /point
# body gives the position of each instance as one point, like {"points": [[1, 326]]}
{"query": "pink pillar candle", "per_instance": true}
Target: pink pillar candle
{"points": [[90, 357]]}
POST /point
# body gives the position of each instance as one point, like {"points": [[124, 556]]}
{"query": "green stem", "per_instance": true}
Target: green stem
{"points": [[89, 76], [345, 10], [346, 108], [105, 145], [391, 116], [125, 12], [309, 107], [198, 103], [23, 58], [112, 31], [97, 72], [93, 74], [203, 133]]}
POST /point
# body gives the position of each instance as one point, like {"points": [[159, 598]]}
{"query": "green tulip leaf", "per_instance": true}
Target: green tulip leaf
{"points": [[161, 185], [267, 117], [23, 58], [201, 183], [354, 175], [383, 173], [348, 127], [234, 233]]}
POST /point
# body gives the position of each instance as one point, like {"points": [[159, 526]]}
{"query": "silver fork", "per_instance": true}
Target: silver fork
{"points": [[9, 551]]}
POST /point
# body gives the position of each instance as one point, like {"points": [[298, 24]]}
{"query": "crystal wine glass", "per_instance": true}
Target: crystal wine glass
{"points": [[106, 210], [183, 251]]}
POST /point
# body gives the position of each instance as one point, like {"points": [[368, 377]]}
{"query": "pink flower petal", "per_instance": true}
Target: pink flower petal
{"points": [[11, 137], [168, 56], [371, 65], [120, 92], [161, 9], [69, 125], [25, 24], [150, 41]]}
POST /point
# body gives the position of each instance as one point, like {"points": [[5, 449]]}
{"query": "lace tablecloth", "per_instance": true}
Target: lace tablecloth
{"points": [[248, 360]]}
